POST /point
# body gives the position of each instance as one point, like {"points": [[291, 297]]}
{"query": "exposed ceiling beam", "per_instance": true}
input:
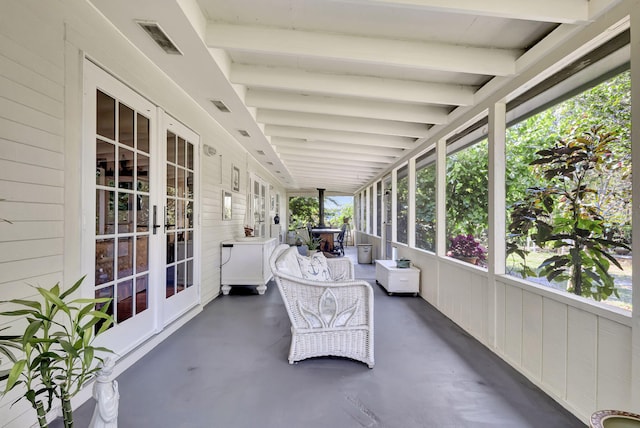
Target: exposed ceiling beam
{"points": [[352, 107], [306, 160], [561, 11], [339, 136], [367, 50], [324, 146], [328, 155], [348, 85], [341, 123], [335, 167]]}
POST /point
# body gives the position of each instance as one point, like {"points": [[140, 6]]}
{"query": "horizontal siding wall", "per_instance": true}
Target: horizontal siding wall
{"points": [[31, 167]]}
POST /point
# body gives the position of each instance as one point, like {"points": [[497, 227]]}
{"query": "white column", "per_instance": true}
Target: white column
{"points": [[635, 138], [441, 197], [497, 210], [497, 193], [394, 205], [411, 215]]}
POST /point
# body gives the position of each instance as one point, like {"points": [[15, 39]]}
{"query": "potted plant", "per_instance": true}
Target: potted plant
{"points": [[56, 352], [465, 247]]}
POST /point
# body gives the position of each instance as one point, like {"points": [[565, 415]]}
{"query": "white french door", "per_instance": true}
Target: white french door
{"points": [[139, 209], [179, 210]]}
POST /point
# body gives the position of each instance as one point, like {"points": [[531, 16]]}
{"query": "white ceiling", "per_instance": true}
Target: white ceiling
{"points": [[334, 92]]}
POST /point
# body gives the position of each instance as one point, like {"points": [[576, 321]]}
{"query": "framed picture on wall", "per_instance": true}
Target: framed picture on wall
{"points": [[235, 178], [227, 205]]}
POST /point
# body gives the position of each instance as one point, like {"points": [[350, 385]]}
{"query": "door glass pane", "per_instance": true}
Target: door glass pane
{"points": [[190, 185], [125, 257], [181, 151], [182, 250], [170, 281], [106, 292], [125, 212], [170, 221], [180, 277], [105, 115], [189, 273], [142, 213], [125, 300], [171, 180], [171, 147], [105, 163], [125, 125], [105, 212], [189, 155], [142, 298], [181, 183], [171, 247], [104, 260], [125, 169], [142, 254], [143, 133], [142, 173]]}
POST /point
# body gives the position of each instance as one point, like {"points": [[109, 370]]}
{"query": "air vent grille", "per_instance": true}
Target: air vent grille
{"points": [[220, 105], [159, 36]]}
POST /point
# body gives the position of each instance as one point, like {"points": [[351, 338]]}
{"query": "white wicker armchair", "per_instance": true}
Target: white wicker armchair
{"points": [[328, 318]]}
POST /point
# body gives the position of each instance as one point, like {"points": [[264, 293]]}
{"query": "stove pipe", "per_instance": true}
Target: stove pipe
{"points": [[321, 203]]}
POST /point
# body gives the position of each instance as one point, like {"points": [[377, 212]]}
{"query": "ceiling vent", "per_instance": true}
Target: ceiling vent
{"points": [[220, 105], [260, 152], [243, 133], [159, 36]]}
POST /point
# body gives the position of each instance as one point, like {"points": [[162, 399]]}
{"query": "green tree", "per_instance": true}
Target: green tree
{"points": [[426, 207], [303, 211], [468, 191], [567, 214]]}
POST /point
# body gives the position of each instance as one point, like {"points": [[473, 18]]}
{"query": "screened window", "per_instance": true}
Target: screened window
{"points": [[426, 201], [581, 247], [402, 204], [467, 203]]}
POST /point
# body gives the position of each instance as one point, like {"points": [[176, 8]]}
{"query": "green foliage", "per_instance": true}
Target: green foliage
{"points": [[57, 353], [468, 191], [303, 211], [566, 214], [402, 204], [426, 207]]}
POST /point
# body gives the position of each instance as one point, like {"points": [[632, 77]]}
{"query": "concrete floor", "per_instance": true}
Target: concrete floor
{"points": [[228, 368]]}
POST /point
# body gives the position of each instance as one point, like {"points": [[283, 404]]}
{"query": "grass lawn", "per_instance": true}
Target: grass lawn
{"points": [[622, 276]]}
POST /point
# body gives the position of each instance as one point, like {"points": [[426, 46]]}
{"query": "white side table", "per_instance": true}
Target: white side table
{"points": [[397, 280]]}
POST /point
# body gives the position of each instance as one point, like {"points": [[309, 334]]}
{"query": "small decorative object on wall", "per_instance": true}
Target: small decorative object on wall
{"points": [[235, 178], [227, 204]]}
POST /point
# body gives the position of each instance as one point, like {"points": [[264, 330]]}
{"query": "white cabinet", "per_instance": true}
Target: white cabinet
{"points": [[397, 280], [245, 262]]}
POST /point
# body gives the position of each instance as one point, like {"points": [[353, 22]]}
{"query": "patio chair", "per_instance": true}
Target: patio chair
{"points": [[331, 313], [338, 244]]}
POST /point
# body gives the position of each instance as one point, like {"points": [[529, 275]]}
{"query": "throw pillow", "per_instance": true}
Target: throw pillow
{"points": [[315, 267]]}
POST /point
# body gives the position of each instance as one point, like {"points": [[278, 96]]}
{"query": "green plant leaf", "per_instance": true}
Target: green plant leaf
{"points": [[73, 288], [53, 298], [14, 374], [31, 330]]}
